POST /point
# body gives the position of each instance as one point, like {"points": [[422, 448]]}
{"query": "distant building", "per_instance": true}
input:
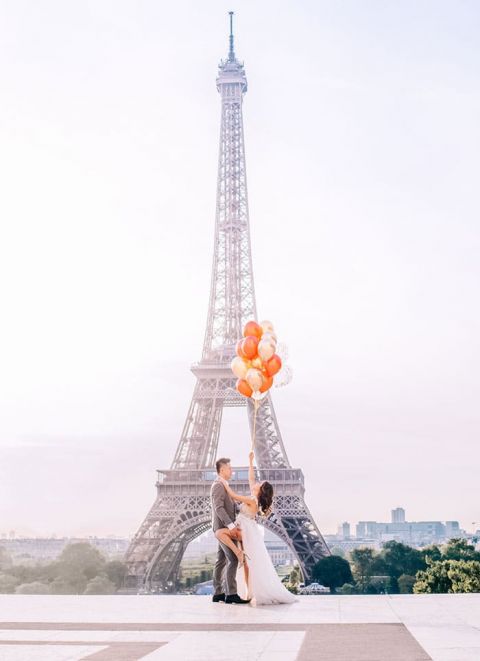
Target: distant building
{"points": [[335, 542], [452, 529], [35, 549], [414, 533], [366, 529], [344, 530], [279, 551], [398, 515], [206, 544]]}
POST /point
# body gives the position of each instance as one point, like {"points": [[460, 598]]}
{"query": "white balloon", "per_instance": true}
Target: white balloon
{"points": [[254, 379], [282, 351], [267, 326], [239, 368], [270, 337], [265, 349], [284, 377]]}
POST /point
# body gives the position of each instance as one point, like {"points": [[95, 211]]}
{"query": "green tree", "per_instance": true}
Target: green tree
{"points": [[60, 585], [37, 587], [332, 571], [5, 559], [446, 576], [116, 572], [434, 579], [365, 561], [406, 583], [465, 575], [433, 553], [100, 585], [83, 557], [8, 583], [78, 564], [460, 549], [401, 559]]}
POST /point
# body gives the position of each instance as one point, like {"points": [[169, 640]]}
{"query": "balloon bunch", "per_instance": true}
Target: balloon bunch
{"points": [[256, 362]]}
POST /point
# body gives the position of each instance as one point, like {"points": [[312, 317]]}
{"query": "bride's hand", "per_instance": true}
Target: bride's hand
{"points": [[251, 457]]}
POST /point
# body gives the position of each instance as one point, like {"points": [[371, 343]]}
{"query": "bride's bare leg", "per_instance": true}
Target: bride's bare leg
{"points": [[246, 574], [223, 535]]}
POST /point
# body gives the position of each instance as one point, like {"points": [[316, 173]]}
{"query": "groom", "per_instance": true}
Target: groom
{"points": [[223, 515]]}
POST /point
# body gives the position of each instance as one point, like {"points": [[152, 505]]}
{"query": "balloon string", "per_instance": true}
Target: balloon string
{"points": [[256, 404]]}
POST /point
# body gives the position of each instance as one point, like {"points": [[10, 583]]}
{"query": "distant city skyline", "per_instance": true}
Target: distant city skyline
{"points": [[472, 529]]}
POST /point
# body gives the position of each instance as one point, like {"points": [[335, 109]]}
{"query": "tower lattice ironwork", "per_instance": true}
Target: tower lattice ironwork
{"points": [[181, 510]]}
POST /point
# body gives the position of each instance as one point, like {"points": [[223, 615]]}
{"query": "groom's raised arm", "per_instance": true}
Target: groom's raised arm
{"points": [[218, 500]]}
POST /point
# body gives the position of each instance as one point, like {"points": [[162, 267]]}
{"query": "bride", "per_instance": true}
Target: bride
{"points": [[262, 581]]}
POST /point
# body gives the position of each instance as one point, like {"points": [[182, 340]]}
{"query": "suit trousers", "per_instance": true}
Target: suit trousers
{"points": [[225, 571]]}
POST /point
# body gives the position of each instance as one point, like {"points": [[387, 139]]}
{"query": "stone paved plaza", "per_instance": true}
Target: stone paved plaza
{"points": [[167, 628]]}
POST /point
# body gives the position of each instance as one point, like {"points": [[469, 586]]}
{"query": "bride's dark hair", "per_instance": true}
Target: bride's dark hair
{"points": [[265, 498]]}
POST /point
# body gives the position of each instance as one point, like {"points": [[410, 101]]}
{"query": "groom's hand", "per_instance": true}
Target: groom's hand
{"points": [[235, 534]]}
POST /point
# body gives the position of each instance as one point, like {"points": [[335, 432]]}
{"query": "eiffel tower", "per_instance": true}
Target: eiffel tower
{"points": [[181, 510]]}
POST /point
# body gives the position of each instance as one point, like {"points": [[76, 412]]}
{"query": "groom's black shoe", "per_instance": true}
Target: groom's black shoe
{"points": [[218, 597], [235, 599]]}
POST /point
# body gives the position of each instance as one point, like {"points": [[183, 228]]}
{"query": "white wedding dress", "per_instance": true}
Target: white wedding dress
{"points": [[264, 585]]}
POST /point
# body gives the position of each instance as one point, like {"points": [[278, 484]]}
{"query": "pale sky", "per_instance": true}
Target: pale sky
{"points": [[363, 149]]}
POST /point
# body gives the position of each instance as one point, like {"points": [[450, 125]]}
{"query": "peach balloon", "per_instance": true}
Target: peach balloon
{"points": [[243, 388], [267, 383], [239, 367], [257, 362], [249, 347], [274, 365], [265, 349], [252, 328], [254, 379]]}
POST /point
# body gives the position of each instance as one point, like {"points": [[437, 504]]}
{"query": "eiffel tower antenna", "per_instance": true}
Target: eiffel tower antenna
{"points": [[181, 510], [231, 52]]}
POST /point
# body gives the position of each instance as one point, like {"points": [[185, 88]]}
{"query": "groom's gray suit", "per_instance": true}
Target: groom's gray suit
{"points": [[223, 515]]}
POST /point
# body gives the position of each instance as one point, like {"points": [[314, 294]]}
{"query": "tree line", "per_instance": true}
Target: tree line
{"points": [[398, 568], [79, 569]]}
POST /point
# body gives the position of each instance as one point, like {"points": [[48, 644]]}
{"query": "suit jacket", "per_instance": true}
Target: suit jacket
{"points": [[223, 507]]}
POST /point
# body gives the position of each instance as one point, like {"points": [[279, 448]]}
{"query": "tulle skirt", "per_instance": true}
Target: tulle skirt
{"points": [[264, 585]]}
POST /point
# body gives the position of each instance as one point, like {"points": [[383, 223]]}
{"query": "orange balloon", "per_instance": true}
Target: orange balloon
{"points": [[252, 328], [249, 347], [243, 388], [239, 351], [267, 383], [273, 365], [257, 363]]}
